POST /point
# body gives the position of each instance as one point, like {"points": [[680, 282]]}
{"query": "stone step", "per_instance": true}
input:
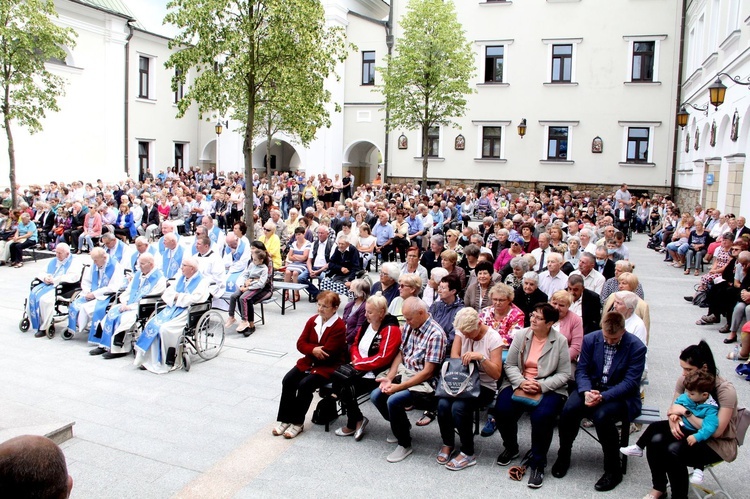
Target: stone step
{"points": [[21, 419]]}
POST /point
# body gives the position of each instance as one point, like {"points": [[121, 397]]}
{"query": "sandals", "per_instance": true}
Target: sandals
{"points": [[426, 418], [687, 272], [443, 457], [296, 297], [707, 319], [735, 355], [697, 272], [293, 431], [460, 462]]}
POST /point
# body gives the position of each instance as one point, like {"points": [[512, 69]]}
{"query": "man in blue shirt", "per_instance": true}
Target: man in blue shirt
{"points": [[437, 219], [383, 232], [416, 228]]}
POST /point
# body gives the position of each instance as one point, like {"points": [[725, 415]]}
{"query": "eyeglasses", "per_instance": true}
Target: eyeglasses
{"points": [[734, 249]]}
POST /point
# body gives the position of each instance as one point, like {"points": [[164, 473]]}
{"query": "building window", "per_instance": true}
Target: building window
{"points": [[557, 143], [562, 63], [643, 61], [180, 92], [144, 74], [179, 156], [368, 67], [433, 141], [493, 64], [491, 136], [144, 150], [637, 145]]}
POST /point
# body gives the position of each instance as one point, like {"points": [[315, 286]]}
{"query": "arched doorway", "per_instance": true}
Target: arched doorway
{"points": [[284, 157], [208, 156], [364, 159]]}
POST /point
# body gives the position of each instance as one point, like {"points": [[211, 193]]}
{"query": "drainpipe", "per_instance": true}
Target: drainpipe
{"points": [[389, 43], [676, 146], [127, 91]]}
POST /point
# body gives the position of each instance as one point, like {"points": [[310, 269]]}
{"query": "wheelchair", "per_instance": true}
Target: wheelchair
{"points": [[65, 293], [203, 334]]}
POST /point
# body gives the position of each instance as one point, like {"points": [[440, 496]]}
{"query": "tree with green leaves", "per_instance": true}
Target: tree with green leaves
{"points": [[426, 82], [246, 50], [28, 40]]}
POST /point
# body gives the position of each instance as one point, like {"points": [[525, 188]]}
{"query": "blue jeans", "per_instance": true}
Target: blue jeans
{"points": [[304, 278], [507, 413], [392, 408]]}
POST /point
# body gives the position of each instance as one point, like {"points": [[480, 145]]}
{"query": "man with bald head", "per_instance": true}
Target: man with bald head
{"points": [[412, 373], [158, 345], [111, 338], [33, 466], [214, 233], [171, 255], [142, 247], [100, 281]]}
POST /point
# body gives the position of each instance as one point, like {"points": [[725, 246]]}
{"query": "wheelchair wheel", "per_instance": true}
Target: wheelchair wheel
{"points": [[186, 361], [67, 335], [51, 331], [25, 324], [209, 335]]}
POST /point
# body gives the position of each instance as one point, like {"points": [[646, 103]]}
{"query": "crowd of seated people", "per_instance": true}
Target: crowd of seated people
{"points": [[546, 265]]}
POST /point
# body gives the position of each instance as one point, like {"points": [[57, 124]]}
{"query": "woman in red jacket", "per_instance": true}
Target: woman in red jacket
{"points": [[373, 351], [323, 342]]}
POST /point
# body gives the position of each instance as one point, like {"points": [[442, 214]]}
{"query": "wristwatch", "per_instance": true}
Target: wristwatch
{"points": [[482, 360], [688, 412]]}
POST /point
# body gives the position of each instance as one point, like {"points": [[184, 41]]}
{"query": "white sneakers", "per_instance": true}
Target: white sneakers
{"points": [[632, 450], [280, 428], [697, 476], [399, 454]]}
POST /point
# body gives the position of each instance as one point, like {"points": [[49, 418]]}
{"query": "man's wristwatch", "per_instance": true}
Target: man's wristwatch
{"points": [[688, 412]]}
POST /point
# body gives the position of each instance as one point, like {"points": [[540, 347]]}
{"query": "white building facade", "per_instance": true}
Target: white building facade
{"points": [[597, 92], [100, 131], [714, 144]]}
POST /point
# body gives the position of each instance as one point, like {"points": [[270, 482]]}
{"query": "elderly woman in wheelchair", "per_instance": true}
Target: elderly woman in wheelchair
{"points": [[115, 336], [39, 310], [100, 283], [187, 322]]}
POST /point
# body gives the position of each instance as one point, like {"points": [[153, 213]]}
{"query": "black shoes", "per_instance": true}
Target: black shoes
{"points": [[536, 477], [110, 355], [688, 298], [506, 457], [608, 481], [40, 334], [560, 468], [248, 331], [97, 351]]}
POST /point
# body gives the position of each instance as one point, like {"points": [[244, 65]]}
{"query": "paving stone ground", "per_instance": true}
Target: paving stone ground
{"points": [[206, 433]]}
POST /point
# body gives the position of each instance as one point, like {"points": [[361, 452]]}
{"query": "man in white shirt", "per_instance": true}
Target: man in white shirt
{"points": [[553, 279], [211, 266], [541, 253], [592, 279]]}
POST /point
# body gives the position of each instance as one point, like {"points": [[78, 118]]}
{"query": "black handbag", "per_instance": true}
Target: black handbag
{"points": [[458, 380], [344, 373]]}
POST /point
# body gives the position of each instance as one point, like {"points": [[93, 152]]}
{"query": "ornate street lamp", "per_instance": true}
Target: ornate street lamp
{"points": [[522, 128]]}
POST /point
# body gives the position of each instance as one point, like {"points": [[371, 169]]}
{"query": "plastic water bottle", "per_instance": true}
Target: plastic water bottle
{"points": [[736, 352]]}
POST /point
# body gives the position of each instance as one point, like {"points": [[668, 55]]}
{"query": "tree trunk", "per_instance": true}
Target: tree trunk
{"points": [[11, 148], [247, 150], [269, 137]]}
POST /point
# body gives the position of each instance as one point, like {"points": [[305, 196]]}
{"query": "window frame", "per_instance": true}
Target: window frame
{"points": [[144, 77], [141, 156], [632, 40], [567, 143], [550, 42], [494, 142], [637, 141], [642, 56], [494, 59], [179, 94], [626, 126], [433, 141], [562, 58], [369, 66], [179, 160]]}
